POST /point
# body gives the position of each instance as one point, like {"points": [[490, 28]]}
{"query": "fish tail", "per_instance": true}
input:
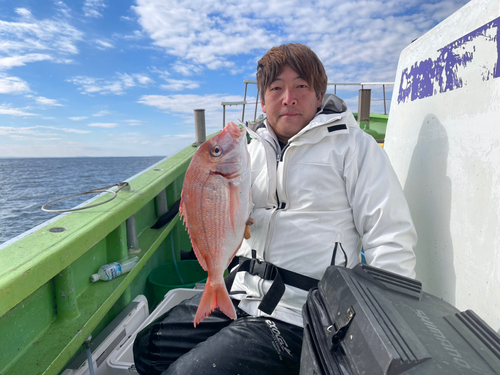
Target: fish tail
{"points": [[214, 295]]}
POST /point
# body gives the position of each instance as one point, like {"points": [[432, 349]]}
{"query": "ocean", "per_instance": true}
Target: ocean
{"points": [[26, 184]]}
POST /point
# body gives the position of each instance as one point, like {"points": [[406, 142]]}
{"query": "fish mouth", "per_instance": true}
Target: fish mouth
{"points": [[227, 170], [234, 130]]}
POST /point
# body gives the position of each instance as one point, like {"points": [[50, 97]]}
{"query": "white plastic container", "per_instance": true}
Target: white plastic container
{"points": [[132, 318], [113, 270], [121, 360]]}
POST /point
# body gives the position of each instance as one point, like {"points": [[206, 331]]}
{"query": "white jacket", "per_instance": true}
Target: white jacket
{"points": [[332, 183]]}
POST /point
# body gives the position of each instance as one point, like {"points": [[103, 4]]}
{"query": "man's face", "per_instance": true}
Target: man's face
{"points": [[290, 104]]}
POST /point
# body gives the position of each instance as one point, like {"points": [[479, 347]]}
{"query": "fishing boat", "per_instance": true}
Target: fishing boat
{"points": [[442, 138]]}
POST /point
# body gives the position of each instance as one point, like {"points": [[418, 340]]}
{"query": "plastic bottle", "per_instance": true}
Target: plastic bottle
{"points": [[113, 270]]}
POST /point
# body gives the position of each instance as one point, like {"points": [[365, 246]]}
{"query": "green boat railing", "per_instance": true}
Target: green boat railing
{"points": [[49, 306]]}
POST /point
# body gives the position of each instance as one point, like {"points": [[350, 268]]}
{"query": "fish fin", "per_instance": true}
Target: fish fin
{"points": [[234, 202], [197, 252], [214, 296], [201, 260]]}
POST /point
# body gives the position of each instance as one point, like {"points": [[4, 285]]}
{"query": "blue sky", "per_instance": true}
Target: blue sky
{"points": [[122, 78]]}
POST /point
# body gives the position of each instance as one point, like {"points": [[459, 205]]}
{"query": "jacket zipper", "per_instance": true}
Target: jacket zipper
{"points": [[280, 206]]}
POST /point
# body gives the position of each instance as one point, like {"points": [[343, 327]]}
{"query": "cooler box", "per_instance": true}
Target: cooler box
{"points": [[121, 360], [113, 336]]}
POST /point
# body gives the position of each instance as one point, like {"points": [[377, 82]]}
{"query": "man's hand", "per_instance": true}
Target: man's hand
{"points": [[249, 223]]}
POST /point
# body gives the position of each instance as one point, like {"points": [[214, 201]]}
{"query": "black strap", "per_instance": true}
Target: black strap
{"points": [[166, 217], [278, 275], [335, 254]]}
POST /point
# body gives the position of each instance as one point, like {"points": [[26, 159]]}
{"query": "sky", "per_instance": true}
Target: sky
{"points": [[122, 78]]}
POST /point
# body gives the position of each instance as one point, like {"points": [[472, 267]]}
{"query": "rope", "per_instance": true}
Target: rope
{"points": [[104, 189]]}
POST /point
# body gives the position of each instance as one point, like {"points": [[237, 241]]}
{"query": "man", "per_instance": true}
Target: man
{"points": [[321, 188]]}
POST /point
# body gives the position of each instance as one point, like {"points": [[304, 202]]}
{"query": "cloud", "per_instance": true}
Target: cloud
{"points": [[183, 106], [13, 85], [7, 110], [24, 13], [78, 118], [187, 69], [134, 122], [77, 131], [117, 86], [102, 44], [93, 8], [31, 139], [62, 9], [217, 34], [54, 37], [142, 79], [20, 60], [103, 125], [205, 32], [179, 85], [101, 113], [47, 102], [35, 131]]}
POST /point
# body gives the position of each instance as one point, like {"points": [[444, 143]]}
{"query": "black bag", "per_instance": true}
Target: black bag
{"points": [[369, 321]]}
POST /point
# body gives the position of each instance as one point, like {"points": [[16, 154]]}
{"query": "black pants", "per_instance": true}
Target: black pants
{"points": [[218, 345]]}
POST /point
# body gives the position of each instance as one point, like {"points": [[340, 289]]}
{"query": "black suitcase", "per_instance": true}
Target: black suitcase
{"points": [[369, 321]]}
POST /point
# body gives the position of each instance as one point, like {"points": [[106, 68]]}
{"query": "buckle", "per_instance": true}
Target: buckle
{"points": [[263, 269]]}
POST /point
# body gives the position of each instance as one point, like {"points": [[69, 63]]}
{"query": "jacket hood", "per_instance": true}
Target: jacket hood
{"points": [[332, 104]]}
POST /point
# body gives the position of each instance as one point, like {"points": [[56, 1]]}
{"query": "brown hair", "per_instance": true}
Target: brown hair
{"points": [[300, 58]]}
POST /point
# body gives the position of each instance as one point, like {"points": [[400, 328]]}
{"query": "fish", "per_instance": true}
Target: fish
{"points": [[215, 206]]}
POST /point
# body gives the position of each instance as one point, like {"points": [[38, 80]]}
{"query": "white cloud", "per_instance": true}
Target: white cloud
{"points": [[13, 85], [186, 69], [35, 131], [102, 44], [134, 122], [31, 139], [29, 35], [20, 60], [93, 8], [118, 86], [213, 34], [47, 102], [78, 118], [101, 113], [183, 106], [7, 110], [62, 9], [179, 85], [103, 125], [24, 13], [77, 131], [142, 79]]}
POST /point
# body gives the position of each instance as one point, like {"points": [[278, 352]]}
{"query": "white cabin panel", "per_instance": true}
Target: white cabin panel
{"points": [[443, 139]]}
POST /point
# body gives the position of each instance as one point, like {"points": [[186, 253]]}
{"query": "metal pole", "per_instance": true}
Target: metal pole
{"points": [[256, 104], [89, 355], [223, 116], [335, 89], [133, 243], [364, 101], [244, 99], [199, 124], [383, 88], [161, 203]]}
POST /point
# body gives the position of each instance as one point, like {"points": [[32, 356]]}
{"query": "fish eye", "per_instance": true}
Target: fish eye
{"points": [[216, 151]]}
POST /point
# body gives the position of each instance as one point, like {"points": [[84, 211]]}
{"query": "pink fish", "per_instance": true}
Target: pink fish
{"points": [[215, 205]]}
